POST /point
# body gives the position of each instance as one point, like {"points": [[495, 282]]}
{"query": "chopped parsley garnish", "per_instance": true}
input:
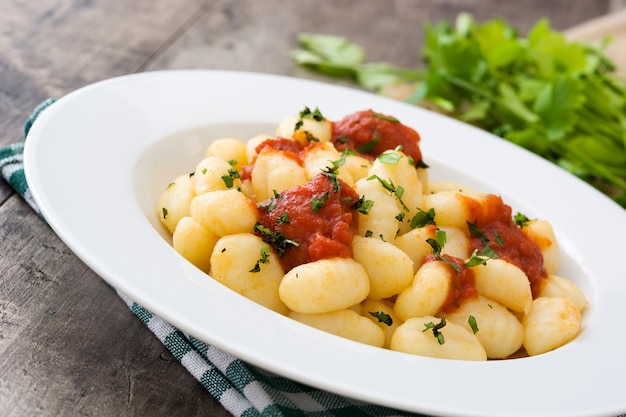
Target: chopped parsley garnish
{"points": [[421, 164], [520, 220], [400, 217], [487, 252], [477, 258], [480, 258], [385, 117], [310, 137], [436, 329], [362, 205], [264, 259], [389, 186], [276, 240], [229, 179], [368, 146], [390, 158], [499, 239], [382, 317], [369, 233], [270, 204], [422, 218], [437, 245], [284, 218], [471, 320], [342, 139], [331, 172], [164, 213], [204, 170], [170, 185], [318, 203], [232, 162], [307, 113], [476, 232]]}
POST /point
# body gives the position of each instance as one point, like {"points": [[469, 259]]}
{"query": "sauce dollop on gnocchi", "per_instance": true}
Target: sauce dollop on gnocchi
{"points": [[337, 225]]}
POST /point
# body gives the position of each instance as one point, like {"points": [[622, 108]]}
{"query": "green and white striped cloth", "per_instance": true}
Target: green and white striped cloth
{"points": [[242, 389]]}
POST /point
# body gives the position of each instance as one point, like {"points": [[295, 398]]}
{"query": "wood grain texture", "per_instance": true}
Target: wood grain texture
{"points": [[68, 345]]}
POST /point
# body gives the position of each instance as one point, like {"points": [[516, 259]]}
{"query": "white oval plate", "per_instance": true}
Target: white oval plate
{"points": [[98, 159]]}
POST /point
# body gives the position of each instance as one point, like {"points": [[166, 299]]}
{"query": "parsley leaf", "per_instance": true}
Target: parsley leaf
{"points": [[520, 220], [562, 100], [264, 259], [382, 317], [368, 146], [471, 320], [277, 240], [318, 203], [307, 113], [423, 218], [362, 205], [436, 329]]}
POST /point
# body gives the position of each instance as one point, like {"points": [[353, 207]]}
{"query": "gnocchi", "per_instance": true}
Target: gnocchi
{"points": [[336, 225]]}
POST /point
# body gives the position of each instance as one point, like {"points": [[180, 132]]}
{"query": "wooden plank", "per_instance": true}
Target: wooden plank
{"points": [[49, 48]]}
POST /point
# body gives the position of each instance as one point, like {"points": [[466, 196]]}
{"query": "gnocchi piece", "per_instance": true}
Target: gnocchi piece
{"points": [[371, 308], [381, 221], [439, 186], [224, 212], [426, 294], [345, 323], [174, 202], [252, 144], [324, 285], [541, 232], [414, 244], [311, 130], [231, 150], [194, 242], [395, 166], [275, 171], [557, 286], [450, 207], [319, 156], [213, 173], [505, 283], [389, 269], [422, 174], [498, 330], [357, 166], [415, 336], [244, 263], [550, 323]]}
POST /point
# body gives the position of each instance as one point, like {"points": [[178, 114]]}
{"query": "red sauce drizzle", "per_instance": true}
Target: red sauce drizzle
{"points": [[325, 233], [370, 134], [462, 285], [493, 219]]}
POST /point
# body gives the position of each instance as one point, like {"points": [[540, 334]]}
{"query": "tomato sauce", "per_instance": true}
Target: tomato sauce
{"points": [[317, 216], [494, 220], [370, 134], [462, 285]]}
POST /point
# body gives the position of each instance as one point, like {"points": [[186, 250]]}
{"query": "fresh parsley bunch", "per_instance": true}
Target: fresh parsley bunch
{"points": [[561, 100]]}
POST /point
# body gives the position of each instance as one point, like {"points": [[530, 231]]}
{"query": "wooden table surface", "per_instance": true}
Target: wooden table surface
{"points": [[55, 359]]}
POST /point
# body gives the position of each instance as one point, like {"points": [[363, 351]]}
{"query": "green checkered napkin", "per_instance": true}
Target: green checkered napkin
{"points": [[242, 389]]}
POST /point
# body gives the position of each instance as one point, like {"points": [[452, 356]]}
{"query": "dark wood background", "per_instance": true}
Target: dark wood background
{"points": [[68, 345]]}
